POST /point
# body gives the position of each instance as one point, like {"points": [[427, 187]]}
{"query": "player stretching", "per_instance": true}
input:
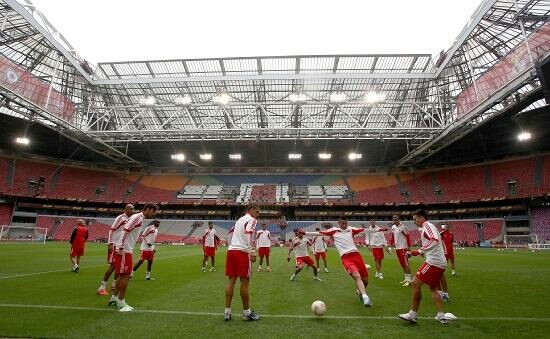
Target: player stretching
{"points": [[377, 244], [320, 249], [263, 243], [115, 234], [240, 254], [78, 241], [351, 258], [147, 248], [448, 239], [402, 242], [299, 246], [210, 242], [123, 259], [431, 271]]}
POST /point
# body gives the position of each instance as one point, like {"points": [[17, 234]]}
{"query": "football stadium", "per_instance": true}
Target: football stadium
{"points": [[282, 196]]}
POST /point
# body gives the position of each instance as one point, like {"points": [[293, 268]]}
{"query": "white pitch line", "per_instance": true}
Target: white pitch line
{"points": [[67, 270], [106, 309]]}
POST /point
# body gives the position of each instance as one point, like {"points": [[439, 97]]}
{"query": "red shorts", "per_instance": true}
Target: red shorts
{"points": [[353, 262], [431, 275], [402, 257], [237, 264], [264, 252], [300, 261], [77, 251], [450, 255], [209, 251], [321, 255], [147, 255], [123, 263], [378, 253]]}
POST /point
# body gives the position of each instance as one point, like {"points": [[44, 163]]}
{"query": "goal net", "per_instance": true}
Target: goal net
{"points": [[520, 241], [22, 233]]}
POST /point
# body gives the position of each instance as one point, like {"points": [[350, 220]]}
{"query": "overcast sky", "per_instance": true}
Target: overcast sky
{"points": [[119, 30]]}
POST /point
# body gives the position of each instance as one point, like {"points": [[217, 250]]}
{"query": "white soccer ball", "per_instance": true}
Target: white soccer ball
{"points": [[318, 308], [367, 266]]}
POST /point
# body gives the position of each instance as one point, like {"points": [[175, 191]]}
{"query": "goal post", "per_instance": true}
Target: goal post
{"points": [[23, 234], [520, 241]]}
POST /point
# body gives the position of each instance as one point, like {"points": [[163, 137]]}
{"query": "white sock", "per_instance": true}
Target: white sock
{"points": [[364, 296], [408, 277], [412, 313], [113, 284], [454, 272], [121, 302], [103, 284], [440, 315], [227, 310], [147, 273], [114, 298], [246, 312]]}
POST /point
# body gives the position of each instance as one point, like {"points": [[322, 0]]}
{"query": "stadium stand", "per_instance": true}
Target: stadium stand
{"points": [[5, 214], [540, 222], [467, 183]]}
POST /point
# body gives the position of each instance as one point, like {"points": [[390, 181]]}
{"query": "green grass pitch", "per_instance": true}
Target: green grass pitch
{"points": [[501, 294]]}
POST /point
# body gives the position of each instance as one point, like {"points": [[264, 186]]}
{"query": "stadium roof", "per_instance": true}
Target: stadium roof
{"points": [[411, 99]]}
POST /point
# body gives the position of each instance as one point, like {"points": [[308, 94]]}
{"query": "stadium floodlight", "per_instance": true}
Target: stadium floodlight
{"points": [[373, 97], [206, 156], [184, 100], [148, 101], [222, 99], [297, 98], [325, 156], [354, 156], [294, 156], [23, 141], [337, 97], [235, 156], [178, 156], [524, 136]]}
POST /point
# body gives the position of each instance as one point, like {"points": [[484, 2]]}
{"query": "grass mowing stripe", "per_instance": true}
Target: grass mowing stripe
{"points": [[81, 308], [92, 266]]}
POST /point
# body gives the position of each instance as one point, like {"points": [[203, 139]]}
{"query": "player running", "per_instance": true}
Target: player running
{"points": [[377, 243], [320, 250], [299, 246], [263, 244], [115, 234], [78, 241], [147, 248], [210, 242], [431, 271], [448, 240], [123, 259], [351, 258], [401, 240], [240, 255]]}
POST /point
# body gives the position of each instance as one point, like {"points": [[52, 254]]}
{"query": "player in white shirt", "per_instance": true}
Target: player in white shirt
{"points": [[263, 244], [210, 243], [431, 271], [123, 259], [147, 248], [351, 258], [320, 250], [240, 255], [376, 240], [115, 234], [299, 246], [402, 242]]}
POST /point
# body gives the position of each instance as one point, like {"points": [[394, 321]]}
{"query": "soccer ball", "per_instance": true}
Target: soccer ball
{"points": [[367, 266], [318, 308]]}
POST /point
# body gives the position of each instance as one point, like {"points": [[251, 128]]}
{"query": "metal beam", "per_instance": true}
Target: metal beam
{"points": [[472, 24], [248, 77], [20, 9]]}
